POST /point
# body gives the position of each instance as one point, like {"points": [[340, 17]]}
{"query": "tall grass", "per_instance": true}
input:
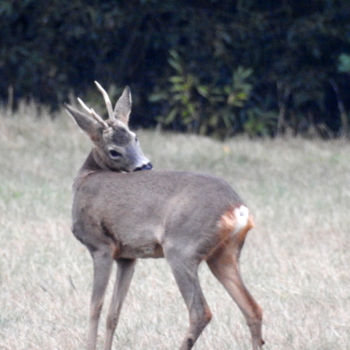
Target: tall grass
{"points": [[295, 262]]}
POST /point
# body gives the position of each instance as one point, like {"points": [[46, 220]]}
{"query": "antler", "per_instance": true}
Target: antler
{"points": [[107, 100], [92, 112]]}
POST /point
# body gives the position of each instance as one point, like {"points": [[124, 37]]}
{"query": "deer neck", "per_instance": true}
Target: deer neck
{"points": [[92, 164]]}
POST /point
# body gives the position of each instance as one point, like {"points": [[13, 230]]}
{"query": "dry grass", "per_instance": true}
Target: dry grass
{"points": [[296, 261]]}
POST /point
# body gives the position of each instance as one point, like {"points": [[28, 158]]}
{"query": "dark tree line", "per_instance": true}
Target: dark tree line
{"points": [[216, 67]]}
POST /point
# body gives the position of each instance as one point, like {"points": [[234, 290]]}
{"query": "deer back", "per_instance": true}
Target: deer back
{"points": [[141, 212]]}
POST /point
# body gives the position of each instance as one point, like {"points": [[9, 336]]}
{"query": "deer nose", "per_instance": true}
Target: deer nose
{"points": [[147, 166]]}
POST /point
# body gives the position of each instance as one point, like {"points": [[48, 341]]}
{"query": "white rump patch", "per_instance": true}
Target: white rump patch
{"points": [[242, 215], [159, 233]]}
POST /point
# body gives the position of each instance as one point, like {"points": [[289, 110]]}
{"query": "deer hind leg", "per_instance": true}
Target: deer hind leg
{"points": [[225, 267], [102, 261], [125, 272], [186, 275]]}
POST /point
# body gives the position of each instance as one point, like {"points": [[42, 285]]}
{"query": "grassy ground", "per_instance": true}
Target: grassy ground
{"points": [[295, 262]]}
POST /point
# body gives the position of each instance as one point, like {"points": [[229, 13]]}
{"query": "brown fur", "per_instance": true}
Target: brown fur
{"points": [[226, 226], [181, 216]]}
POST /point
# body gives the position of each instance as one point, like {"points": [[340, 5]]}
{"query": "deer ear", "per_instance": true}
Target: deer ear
{"points": [[85, 122], [123, 106]]}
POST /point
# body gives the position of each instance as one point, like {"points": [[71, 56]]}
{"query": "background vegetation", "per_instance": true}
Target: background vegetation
{"points": [[295, 261], [216, 67]]}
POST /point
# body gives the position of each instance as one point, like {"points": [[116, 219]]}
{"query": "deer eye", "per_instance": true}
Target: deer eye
{"points": [[114, 154]]}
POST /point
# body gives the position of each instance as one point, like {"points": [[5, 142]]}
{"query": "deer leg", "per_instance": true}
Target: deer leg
{"points": [[186, 276], [125, 272], [225, 267], [102, 261]]}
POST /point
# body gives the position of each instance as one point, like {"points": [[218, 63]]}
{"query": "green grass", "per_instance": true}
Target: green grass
{"points": [[295, 262]]}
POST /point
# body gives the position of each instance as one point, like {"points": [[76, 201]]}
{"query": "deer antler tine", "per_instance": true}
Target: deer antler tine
{"points": [[98, 118], [92, 112], [107, 100], [87, 109]]}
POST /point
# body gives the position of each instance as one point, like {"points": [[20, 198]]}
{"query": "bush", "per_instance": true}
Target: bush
{"points": [[209, 67]]}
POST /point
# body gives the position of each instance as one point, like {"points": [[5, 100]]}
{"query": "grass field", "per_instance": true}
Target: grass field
{"points": [[295, 262]]}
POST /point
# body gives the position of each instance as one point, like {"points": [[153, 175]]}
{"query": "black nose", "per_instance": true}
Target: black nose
{"points": [[147, 166]]}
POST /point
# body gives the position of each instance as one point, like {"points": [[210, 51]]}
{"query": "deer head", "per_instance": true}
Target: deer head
{"points": [[116, 147]]}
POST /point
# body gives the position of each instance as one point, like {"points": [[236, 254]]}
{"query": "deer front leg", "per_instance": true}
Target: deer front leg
{"points": [[125, 272], [186, 275], [102, 261], [225, 268]]}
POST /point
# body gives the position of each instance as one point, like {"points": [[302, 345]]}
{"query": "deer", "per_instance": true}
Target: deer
{"points": [[122, 213]]}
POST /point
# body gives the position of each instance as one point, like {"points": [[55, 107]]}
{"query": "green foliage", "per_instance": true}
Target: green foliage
{"points": [[194, 106], [344, 63], [294, 53], [259, 122]]}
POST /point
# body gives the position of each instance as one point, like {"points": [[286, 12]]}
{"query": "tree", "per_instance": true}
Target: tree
{"points": [[289, 50]]}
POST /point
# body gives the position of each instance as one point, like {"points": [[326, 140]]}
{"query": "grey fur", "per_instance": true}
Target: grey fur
{"points": [[122, 216]]}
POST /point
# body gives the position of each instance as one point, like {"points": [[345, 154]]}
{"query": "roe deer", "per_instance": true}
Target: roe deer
{"points": [[122, 215]]}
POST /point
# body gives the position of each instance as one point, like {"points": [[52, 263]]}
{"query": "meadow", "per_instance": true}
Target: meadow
{"points": [[295, 261]]}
